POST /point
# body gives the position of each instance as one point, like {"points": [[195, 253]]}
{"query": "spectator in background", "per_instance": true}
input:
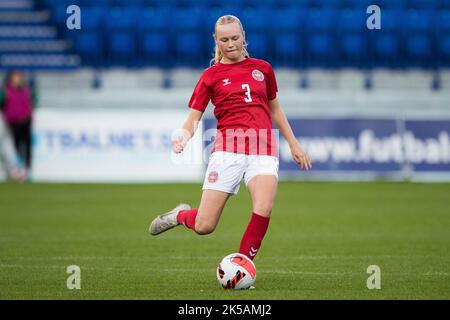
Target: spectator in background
{"points": [[17, 102], [8, 156]]}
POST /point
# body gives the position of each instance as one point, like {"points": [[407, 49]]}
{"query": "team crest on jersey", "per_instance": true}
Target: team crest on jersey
{"points": [[213, 176], [258, 75]]}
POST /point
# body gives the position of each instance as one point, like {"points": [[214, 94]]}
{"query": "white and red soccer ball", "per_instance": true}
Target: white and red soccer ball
{"points": [[236, 271]]}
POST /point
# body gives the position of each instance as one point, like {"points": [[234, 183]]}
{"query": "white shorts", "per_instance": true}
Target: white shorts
{"points": [[227, 169]]}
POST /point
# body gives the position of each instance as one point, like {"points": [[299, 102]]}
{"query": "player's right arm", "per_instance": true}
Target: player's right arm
{"points": [[188, 130], [197, 105]]}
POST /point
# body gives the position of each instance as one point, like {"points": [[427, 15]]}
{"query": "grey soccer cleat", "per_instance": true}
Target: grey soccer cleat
{"points": [[167, 220]]}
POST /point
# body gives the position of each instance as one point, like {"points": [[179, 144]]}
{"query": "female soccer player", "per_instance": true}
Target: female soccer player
{"points": [[244, 93]]}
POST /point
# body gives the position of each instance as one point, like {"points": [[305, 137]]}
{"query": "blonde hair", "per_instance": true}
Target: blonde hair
{"points": [[222, 21]]}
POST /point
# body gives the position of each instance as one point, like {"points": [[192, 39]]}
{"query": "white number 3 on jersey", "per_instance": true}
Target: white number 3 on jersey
{"points": [[247, 92]]}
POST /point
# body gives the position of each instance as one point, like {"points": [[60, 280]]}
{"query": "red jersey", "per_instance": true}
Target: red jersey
{"points": [[240, 93]]}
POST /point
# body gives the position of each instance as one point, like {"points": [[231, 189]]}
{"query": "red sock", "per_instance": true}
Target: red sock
{"points": [[187, 218], [253, 236]]}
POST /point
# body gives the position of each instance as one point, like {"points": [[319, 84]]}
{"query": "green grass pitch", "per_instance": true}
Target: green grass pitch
{"points": [[321, 239]]}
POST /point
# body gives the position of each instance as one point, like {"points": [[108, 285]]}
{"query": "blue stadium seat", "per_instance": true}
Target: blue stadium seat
{"points": [[90, 3], [289, 49], [221, 3], [418, 20], [92, 17], [213, 14], [160, 4], [255, 19], [390, 4], [444, 50], [125, 18], [443, 4], [351, 19], [392, 20], [443, 21], [258, 45], [289, 44], [122, 46], [211, 17], [292, 4], [89, 44], [127, 3], [154, 19], [320, 19], [59, 15], [190, 19], [323, 3], [54, 3], [258, 3], [419, 50], [189, 48], [386, 49], [360, 5], [189, 4], [288, 19], [422, 4], [155, 43], [321, 50], [210, 46], [354, 49]]}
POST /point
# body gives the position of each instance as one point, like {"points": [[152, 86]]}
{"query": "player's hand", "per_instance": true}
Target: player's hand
{"points": [[178, 145], [301, 157]]}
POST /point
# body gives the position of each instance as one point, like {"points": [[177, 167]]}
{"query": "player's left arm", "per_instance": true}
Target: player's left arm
{"points": [[280, 120]]}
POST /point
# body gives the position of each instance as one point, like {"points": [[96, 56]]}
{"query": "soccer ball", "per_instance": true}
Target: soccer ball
{"points": [[236, 271]]}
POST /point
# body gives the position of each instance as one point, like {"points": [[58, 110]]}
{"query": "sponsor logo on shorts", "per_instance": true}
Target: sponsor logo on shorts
{"points": [[258, 75], [213, 176]]}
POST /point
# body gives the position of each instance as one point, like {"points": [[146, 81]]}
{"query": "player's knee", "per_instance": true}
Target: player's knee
{"points": [[263, 209], [204, 227]]}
